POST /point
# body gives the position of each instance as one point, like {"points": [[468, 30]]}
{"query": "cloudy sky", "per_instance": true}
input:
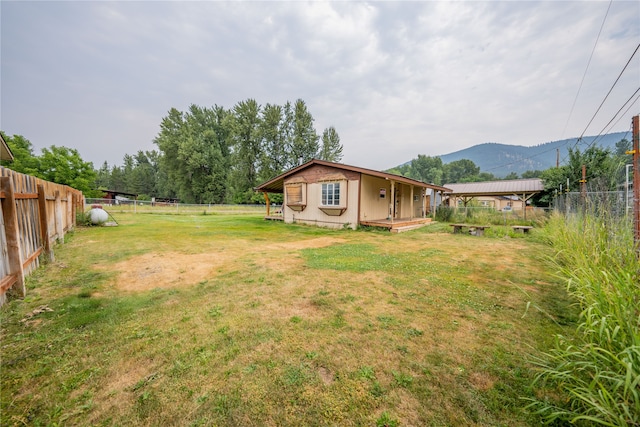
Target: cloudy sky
{"points": [[396, 79]]}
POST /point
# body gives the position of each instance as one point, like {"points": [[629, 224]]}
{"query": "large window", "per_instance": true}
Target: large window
{"points": [[331, 194]]}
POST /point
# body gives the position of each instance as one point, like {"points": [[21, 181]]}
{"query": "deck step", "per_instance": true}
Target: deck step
{"points": [[407, 227]]}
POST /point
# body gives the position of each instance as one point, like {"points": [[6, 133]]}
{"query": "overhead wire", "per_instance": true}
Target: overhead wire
{"points": [[616, 115], [575, 100], [608, 93], [590, 121]]}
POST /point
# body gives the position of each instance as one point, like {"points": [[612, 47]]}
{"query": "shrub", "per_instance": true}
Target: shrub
{"points": [[444, 213]]}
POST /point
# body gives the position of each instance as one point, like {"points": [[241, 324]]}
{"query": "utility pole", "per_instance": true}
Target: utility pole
{"points": [[557, 158], [636, 182], [583, 188]]}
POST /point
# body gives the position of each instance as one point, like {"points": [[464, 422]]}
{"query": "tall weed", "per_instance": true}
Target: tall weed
{"points": [[597, 372]]}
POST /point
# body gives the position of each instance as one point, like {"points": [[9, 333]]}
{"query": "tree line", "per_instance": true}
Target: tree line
{"points": [[204, 155], [604, 166], [218, 155]]}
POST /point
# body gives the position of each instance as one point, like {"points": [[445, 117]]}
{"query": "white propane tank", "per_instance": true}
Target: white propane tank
{"points": [[98, 216]]}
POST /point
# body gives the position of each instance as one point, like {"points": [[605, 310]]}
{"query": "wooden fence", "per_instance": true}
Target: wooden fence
{"points": [[35, 214]]}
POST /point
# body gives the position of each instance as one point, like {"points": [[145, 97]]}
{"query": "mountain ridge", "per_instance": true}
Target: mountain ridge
{"points": [[502, 159]]}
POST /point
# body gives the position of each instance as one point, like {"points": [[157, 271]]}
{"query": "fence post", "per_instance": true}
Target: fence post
{"points": [[44, 222], [58, 214], [74, 213], [636, 181], [12, 233]]}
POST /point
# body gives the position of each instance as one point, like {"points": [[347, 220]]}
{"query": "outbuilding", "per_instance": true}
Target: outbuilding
{"points": [[336, 195], [500, 195]]}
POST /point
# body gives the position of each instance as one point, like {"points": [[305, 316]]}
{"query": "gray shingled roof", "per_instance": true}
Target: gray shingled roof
{"points": [[491, 188]]}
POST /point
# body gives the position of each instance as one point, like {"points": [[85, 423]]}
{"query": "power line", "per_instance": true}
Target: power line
{"points": [[616, 114], [608, 93], [585, 70]]}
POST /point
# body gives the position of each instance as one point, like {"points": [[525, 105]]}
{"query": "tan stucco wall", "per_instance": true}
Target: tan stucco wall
{"points": [[313, 215], [372, 207]]}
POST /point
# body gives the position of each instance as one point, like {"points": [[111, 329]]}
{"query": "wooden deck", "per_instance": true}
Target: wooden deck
{"points": [[398, 225]]}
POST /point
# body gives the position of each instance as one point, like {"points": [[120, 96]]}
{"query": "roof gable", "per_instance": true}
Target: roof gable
{"points": [[275, 185], [5, 151]]}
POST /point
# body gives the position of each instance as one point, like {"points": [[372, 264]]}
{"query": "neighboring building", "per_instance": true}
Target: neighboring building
{"points": [[5, 152], [117, 197], [336, 195], [499, 195]]}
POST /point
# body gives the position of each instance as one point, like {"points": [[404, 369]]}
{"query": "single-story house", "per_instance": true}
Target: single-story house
{"points": [[336, 195], [5, 151], [507, 194]]}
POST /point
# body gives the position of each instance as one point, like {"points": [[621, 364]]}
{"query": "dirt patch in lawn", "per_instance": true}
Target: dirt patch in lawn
{"points": [[174, 269]]}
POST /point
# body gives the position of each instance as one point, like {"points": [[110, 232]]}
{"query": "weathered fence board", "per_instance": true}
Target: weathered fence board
{"points": [[34, 214]]}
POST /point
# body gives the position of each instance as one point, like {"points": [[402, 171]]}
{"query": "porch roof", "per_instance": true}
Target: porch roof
{"points": [[276, 184]]}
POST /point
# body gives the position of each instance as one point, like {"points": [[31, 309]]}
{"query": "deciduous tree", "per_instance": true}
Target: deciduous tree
{"points": [[331, 148]]}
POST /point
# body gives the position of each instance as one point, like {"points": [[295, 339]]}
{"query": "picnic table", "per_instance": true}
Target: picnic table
{"points": [[522, 228], [476, 230]]}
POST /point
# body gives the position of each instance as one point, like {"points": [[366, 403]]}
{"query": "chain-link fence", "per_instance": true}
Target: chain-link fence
{"points": [[616, 204]]}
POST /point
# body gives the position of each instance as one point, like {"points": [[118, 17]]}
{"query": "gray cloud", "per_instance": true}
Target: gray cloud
{"points": [[396, 79]]}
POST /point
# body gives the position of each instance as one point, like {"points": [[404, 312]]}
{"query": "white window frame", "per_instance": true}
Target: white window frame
{"points": [[329, 190]]}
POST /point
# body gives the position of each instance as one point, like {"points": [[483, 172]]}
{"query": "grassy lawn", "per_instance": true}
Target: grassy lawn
{"points": [[233, 320]]}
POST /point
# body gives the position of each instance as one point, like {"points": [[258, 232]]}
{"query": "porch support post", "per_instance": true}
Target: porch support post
{"points": [[424, 203], [411, 204], [392, 207], [435, 202], [266, 199]]}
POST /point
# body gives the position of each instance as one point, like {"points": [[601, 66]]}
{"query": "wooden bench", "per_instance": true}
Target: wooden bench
{"points": [[522, 228], [476, 230]]}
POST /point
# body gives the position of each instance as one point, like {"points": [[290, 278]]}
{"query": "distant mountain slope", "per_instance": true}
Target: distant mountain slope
{"points": [[501, 159]]}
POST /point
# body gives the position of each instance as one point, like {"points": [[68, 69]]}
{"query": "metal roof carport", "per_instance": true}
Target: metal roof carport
{"points": [[523, 189]]}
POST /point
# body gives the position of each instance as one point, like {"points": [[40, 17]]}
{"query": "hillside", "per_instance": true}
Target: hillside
{"points": [[501, 159]]}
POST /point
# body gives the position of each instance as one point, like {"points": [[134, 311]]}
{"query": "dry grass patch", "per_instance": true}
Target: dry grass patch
{"points": [[243, 322]]}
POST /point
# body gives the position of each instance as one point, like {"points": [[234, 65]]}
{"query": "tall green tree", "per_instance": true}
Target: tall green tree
{"points": [[246, 149], [426, 169], [304, 144], [463, 170], [194, 162], [24, 160], [64, 165], [103, 177], [273, 135], [331, 150], [168, 140]]}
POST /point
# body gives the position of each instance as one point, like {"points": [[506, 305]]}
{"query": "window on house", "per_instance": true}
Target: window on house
{"points": [[331, 194], [294, 194]]}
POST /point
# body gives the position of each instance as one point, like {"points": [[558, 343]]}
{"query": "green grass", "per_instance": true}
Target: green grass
{"points": [[287, 325], [597, 370]]}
